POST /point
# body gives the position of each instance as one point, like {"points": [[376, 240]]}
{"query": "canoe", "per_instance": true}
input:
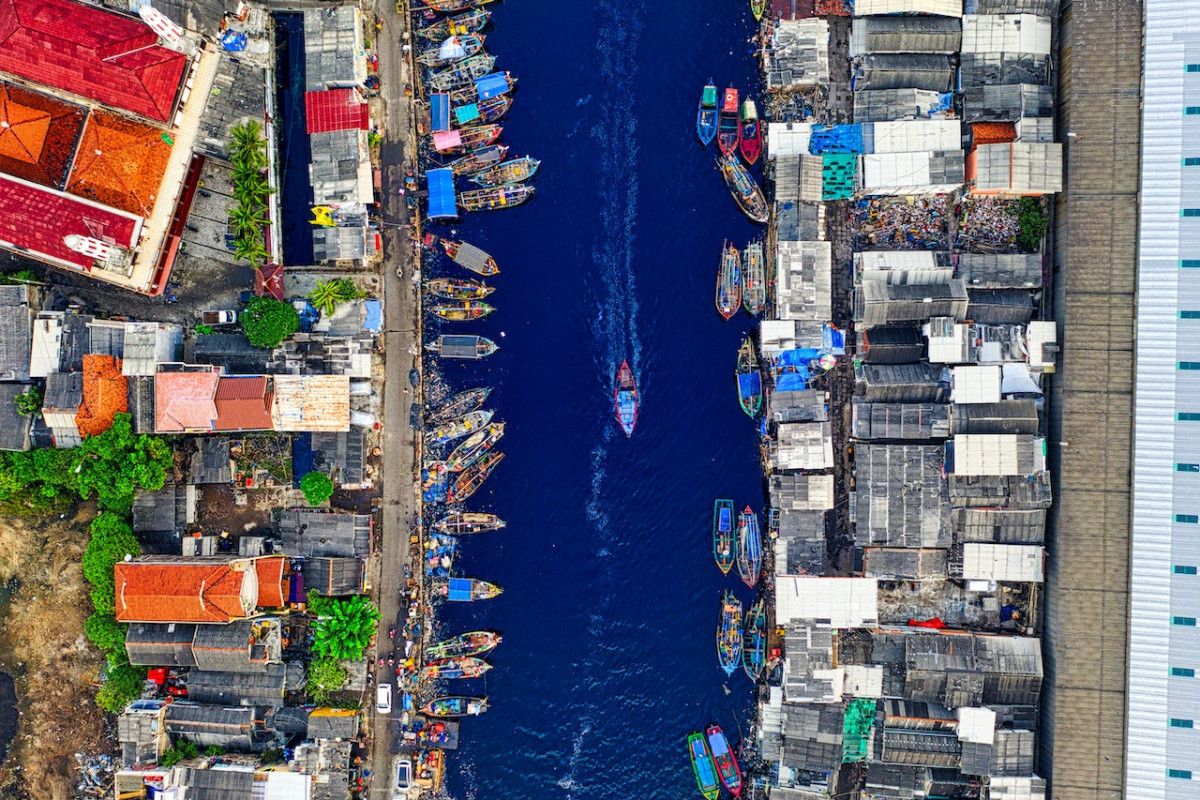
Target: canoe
{"points": [[471, 257], [754, 640], [456, 429], [471, 478], [515, 171], [454, 706], [469, 522], [452, 289], [495, 198], [744, 189], [468, 347], [703, 767], [462, 74], [451, 668], [750, 132], [758, 8], [498, 84], [465, 590], [482, 158], [754, 279], [727, 122], [453, 49], [729, 282], [464, 645], [706, 114], [462, 311], [749, 545], [727, 766], [749, 379], [459, 404], [474, 446], [465, 139], [724, 538], [625, 399], [729, 633], [489, 110], [472, 21]]}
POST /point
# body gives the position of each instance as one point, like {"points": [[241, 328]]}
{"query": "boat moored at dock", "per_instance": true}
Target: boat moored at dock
{"points": [[464, 645], [470, 257], [465, 139], [724, 538], [462, 74], [496, 197], [469, 522], [468, 347], [462, 311], [455, 706], [754, 640], [451, 668], [508, 172], [465, 590], [758, 8], [704, 769], [494, 84], [471, 21], [749, 379], [448, 6], [452, 49], [727, 766], [750, 132], [471, 478], [749, 557], [729, 633], [729, 282], [482, 158], [481, 111], [459, 405], [754, 279], [727, 123], [474, 447], [451, 289], [744, 188], [464, 425], [625, 399], [706, 114]]}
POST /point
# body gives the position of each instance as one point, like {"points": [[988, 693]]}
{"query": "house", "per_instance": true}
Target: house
{"points": [[798, 54], [945, 8], [901, 34], [1000, 270], [900, 383], [317, 353], [184, 398], [160, 516], [341, 455], [334, 49], [232, 352], [909, 173], [1016, 169], [243, 403], [900, 497], [830, 602], [802, 446], [145, 345], [19, 305], [903, 267], [142, 733], [211, 462], [1007, 103], [803, 276], [244, 646], [797, 405], [263, 689], [337, 724], [311, 403], [891, 344], [105, 394], [878, 303], [882, 105], [334, 577], [1000, 525], [904, 563], [1006, 416], [924, 71], [800, 544], [14, 426], [898, 421], [310, 532], [1002, 454], [211, 589], [237, 728]]}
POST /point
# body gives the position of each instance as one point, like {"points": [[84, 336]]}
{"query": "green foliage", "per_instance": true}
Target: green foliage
{"points": [[188, 748], [214, 750], [248, 153], [267, 321], [121, 687], [204, 329], [317, 488], [112, 538], [325, 677], [170, 757], [329, 294], [343, 628], [272, 756], [182, 751], [1031, 223], [103, 630], [30, 403], [20, 276]]}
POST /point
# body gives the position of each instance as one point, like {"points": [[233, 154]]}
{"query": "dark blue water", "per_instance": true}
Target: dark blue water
{"points": [[611, 593]]}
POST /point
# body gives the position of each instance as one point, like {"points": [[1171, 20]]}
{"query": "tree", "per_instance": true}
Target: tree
{"points": [[122, 686], [214, 750], [247, 221], [251, 250], [272, 756], [247, 137], [329, 294], [325, 677], [343, 628], [30, 403], [317, 488], [267, 321], [112, 539], [106, 633], [1031, 223]]}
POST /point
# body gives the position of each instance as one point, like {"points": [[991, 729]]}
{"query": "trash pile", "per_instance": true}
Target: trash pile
{"points": [[900, 223], [987, 225]]}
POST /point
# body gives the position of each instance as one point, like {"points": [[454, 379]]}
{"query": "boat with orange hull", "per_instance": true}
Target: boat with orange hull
{"points": [[727, 123]]}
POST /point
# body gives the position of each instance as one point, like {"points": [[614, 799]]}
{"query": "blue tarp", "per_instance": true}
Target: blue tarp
{"points": [[442, 202], [465, 114], [797, 358], [439, 111], [835, 139], [233, 41], [491, 85], [834, 340], [750, 385], [459, 589], [374, 320], [945, 103], [792, 381]]}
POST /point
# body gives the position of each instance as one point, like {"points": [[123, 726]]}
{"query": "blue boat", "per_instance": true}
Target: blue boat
{"points": [[749, 557], [729, 633], [625, 399], [724, 539], [706, 115], [465, 590], [754, 640]]}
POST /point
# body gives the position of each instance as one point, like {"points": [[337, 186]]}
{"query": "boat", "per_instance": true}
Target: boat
{"points": [[754, 640], [749, 546], [706, 114], [475, 445], [462, 74], [448, 6], [472, 21], [471, 478], [452, 289], [515, 171], [749, 379], [450, 668], [455, 706], [744, 189], [468, 138], [465, 590], [459, 404], [496, 197], [727, 766], [750, 132], [462, 311], [469, 522], [625, 399], [754, 279], [470, 94], [489, 110], [471, 257], [724, 539], [758, 8], [703, 766], [464, 645], [729, 633], [482, 158], [468, 347], [729, 282], [452, 49], [456, 429], [727, 122]]}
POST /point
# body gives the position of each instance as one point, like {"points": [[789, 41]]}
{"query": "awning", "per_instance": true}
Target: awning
{"points": [[442, 202], [491, 85], [465, 114], [446, 140], [459, 589], [439, 111]]}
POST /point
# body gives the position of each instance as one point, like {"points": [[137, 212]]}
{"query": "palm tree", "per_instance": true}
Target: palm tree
{"points": [[247, 221], [250, 249], [325, 297], [247, 138]]}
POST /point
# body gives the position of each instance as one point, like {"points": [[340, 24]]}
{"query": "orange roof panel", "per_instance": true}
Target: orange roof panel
{"points": [[120, 163], [105, 394], [37, 135], [178, 592], [272, 587], [184, 401]]}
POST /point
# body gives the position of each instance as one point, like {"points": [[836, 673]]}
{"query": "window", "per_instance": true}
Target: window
{"points": [[1183, 672], [1189, 212], [1187, 467], [1189, 314], [1191, 519], [1180, 723], [1179, 773], [1187, 622], [1183, 569], [1191, 161], [1190, 263], [1187, 416]]}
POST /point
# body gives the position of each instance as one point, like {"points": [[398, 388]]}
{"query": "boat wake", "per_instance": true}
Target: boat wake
{"points": [[568, 782]]}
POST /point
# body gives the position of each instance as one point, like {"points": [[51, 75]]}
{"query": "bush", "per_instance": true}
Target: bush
{"points": [[325, 677], [343, 627], [103, 630], [267, 321], [317, 488], [1031, 223], [214, 750], [112, 538], [123, 685], [272, 756], [329, 294], [29, 404]]}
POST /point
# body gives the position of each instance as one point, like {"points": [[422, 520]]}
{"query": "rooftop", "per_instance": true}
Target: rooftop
{"points": [[184, 401], [312, 403], [105, 394], [336, 110], [14, 427], [208, 589], [120, 163], [243, 404], [37, 135]]}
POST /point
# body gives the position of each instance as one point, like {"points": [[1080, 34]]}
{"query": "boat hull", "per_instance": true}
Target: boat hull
{"points": [[704, 769], [729, 633], [727, 766], [469, 523], [496, 198], [465, 645], [724, 538], [508, 173], [625, 399], [749, 379], [729, 283], [744, 189], [459, 405], [749, 559], [449, 289]]}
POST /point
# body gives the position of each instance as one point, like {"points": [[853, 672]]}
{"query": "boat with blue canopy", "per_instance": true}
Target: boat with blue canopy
{"points": [[727, 766], [724, 538], [749, 379], [489, 110], [465, 590], [706, 115], [625, 399], [729, 633], [754, 640], [703, 767], [491, 85]]}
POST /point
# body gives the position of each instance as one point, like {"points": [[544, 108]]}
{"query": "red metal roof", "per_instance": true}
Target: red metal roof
{"points": [[268, 281], [111, 58], [336, 110], [243, 404], [36, 220]]}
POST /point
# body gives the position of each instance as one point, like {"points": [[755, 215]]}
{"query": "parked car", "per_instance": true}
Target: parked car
{"points": [[383, 698], [221, 317], [403, 778]]}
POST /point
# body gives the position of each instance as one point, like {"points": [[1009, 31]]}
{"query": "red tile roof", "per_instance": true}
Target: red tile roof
{"points": [[272, 586], [120, 163], [105, 394], [243, 404], [268, 281], [185, 401], [110, 58], [37, 135], [36, 219], [336, 110], [179, 592]]}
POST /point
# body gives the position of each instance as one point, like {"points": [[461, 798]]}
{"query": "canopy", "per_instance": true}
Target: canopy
{"points": [[452, 49], [798, 357], [459, 589], [446, 140], [439, 111], [467, 113], [491, 85], [792, 381], [835, 139], [472, 258], [750, 384], [374, 317], [442, 202]]}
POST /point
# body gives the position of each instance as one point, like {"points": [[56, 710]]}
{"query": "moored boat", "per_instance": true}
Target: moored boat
{"points": [[497, 197], [749, 379], [452, 289], [459, 404], [482, 158], [491, 85], [727, 766], [456, 429], [729, 282], [470, 257], [471, 478], [469, 522], [729, 633], [455, 706], [482, 111], [475, 445], [461, 311], [703, 767], [706, 114], [472, 643], [514, 171], [465, 590], [461, 74], [754, 279], [758, 8], [724, 538], [749, 557], [625, 399], [744, 189], [452, 49], [449, 6], [469, 22], [451, 668], [750, 132], [727, 122], [468, 347], [465, 139], [754, 640]]}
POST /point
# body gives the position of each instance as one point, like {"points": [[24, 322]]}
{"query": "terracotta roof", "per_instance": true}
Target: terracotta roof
{"points": [[272, 586], [119, 163], [37, 219], [993, 133], [243, 404], [111, 58], [336, 110], [37, 135], [268, 281], [185, 401], [105, 394], [179, 592]]}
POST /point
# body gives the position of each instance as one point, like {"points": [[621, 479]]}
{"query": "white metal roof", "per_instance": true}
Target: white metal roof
{"points": [[831, 602], [803, 276], [902, 173], [863, 680], [977, 725], [1019, 168], [1003, 562], [1038, 334], [945, 8], [47, 342], [1006, 33], [975, 384], [803, 446], [907, 267], [914, 135], [788, 138], [998, 454]]}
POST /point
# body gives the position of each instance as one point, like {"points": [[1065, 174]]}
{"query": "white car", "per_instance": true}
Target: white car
{"points": [[383, 698], [403, 778]]}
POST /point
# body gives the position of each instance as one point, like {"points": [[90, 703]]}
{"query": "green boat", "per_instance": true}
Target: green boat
{"points": [[749, 379], [703, 766], [723, 535]]}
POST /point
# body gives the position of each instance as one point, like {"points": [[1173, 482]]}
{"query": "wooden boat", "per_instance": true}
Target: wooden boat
{"points": [[468, 423], [454, 706], [482, 158], [468, 347], [470, 137], [471, 257], [453, 49], [727, 766], [472, 21], [749, 556], [470, 479], [727, 122], [475, 445], [515, 171], [724, 538], [448, 6], [758, 8], [495, 198], [729, 282], [625, 399], [703, 767], [451, 668], [452, 289], [754, 279], [470, 94], [459, 404], [729, 633], [706, 114], [469, 522], [472, 643], [749, 379], [750, 132], [754, 640], [465, 590], [490, 110], [462, 311], [744, 189], [462, 74]]}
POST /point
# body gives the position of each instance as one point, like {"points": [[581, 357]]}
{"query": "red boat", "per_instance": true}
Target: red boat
{"points": [[750, 132], [625, 399], [728, 127]]}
